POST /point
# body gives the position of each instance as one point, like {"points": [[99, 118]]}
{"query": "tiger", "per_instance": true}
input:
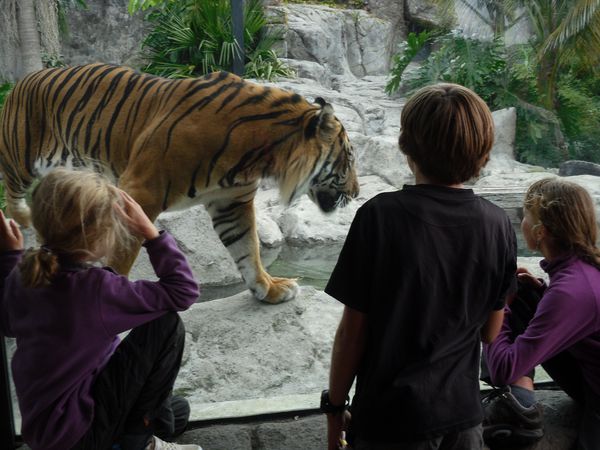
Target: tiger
{"points": [[173, 143]]}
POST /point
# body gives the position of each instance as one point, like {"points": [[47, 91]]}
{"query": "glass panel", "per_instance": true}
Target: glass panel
{"points": [[9, 409]]}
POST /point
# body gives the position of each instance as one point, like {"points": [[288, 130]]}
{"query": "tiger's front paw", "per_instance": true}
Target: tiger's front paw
{"points": [[277, 290]]}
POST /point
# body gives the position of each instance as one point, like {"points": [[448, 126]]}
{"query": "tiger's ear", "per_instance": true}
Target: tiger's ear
{"points": [[323, 124], [320, 101], [327, 123]]}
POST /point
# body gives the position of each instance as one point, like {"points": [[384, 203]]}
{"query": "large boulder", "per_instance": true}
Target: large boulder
{"points": [[209, 259], [475, 22], [346, 42], [520, 181], [394, 12], [424, 13], [238, 348], [574, 167], [303, 225], [104, 32], [380, 156]]}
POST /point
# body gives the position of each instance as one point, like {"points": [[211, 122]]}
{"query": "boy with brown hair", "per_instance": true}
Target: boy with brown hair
{"points": [[423, 275]]}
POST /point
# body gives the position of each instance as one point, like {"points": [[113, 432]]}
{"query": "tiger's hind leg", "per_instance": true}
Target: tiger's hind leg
{"points": [[235, 223]]}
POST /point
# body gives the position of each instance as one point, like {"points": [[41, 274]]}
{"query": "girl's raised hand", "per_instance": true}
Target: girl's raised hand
{"points": [[136, 219], [525, 275], [10, 234]]}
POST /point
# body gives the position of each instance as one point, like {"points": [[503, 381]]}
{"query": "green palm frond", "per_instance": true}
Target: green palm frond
{"points": [[582, 15], [194, 37], [582, 51]]}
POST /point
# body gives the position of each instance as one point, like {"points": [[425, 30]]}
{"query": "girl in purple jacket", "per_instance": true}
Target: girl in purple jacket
{"points": [[557, 326], [78, 385]]}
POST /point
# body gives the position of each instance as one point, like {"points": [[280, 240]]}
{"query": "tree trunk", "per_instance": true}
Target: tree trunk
{"points": [[29, 38]]}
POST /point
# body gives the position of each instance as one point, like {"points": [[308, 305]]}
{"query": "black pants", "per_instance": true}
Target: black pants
{"points": [[563, 368], [132, 394]]}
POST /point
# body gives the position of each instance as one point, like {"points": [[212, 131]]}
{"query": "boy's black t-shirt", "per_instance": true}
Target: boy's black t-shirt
{"points": [[427, 264]]}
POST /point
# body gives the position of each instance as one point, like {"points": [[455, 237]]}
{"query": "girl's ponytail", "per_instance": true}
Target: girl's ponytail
{"points": [[38, 267], [590, 254]]}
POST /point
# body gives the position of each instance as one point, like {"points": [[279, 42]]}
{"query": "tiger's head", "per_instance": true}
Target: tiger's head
{"points": [[336, 182], [329, 176]]}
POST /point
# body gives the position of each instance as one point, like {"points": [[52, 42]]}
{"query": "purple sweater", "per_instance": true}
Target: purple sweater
{"points": [[567, 318], [67, 332]]}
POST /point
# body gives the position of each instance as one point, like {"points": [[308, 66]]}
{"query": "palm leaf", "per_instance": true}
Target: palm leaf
{"points": [[581, 15]]}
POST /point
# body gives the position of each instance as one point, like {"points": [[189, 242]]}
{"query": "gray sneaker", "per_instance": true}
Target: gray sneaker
{"points": [[158, 444], [506, 422]]}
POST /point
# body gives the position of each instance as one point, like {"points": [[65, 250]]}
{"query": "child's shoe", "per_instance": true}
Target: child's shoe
{"points": [[158, 444], [506, 422]]}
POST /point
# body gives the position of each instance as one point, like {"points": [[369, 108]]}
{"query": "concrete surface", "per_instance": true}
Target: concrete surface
{"points": [[306, 430]]}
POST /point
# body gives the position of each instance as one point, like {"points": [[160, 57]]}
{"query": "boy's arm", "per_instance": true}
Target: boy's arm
{"points": [[348, 349], [346, 356], [492, 327]]}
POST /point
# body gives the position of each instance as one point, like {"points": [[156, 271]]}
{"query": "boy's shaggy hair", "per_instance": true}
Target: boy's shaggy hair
{"points": [[448, 131]]}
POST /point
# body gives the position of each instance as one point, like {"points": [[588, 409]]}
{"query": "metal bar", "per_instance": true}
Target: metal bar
{"points": [[237, 20], [7, 421]]}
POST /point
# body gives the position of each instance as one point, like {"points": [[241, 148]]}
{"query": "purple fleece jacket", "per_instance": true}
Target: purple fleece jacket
{"points": [[67, 332], [567, 318]]}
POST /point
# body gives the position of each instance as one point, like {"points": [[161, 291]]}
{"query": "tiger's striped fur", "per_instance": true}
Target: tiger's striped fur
{"points": [[170, 143]]}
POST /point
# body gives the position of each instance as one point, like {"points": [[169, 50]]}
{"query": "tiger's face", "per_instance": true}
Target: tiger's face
{"points": [[336, 183]]}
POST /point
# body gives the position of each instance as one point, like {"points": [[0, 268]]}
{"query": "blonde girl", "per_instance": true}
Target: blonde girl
{"points": [[562, 332], [78, 385]]}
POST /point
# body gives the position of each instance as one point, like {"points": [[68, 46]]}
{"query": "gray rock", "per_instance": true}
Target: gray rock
{"points": [[477, 24], [381, 156], [311, 70], [574, 167], [517, 183], [505, 124], [423, 12], [238, 348], [210, 261], [345, 42], [104, 32], [303, 225], [368, 44]]}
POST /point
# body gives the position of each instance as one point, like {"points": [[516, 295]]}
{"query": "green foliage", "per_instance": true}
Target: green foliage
{"points": [[539, 139], [194, 37], [554, 80], [506, 77], [579, 113], [52, 60], [408, 50], [142, 5], [4, 90], [478, 65], [2, 198], [351, 4]]}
